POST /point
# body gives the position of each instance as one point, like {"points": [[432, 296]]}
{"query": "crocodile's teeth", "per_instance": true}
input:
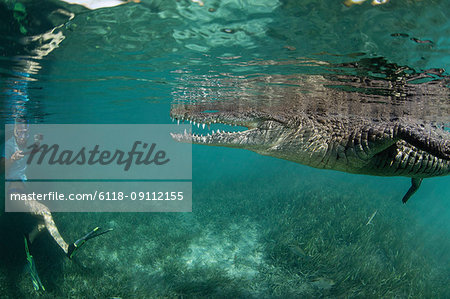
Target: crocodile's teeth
{"points": [[203, 126]]}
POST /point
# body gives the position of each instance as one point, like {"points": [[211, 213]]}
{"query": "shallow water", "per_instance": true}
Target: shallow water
{"points": [[260, 226]]}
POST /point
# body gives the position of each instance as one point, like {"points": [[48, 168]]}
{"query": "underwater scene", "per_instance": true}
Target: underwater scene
{"points": [[320, 136]]}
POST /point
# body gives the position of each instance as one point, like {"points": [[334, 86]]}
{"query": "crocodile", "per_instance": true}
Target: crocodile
{"points": [[357, 142]]}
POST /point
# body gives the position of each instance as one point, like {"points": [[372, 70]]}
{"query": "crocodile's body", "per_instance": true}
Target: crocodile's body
{"points": [[354, 144]]}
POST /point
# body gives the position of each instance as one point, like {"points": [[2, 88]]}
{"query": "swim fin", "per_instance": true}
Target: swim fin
{"points": [[80, 242], [37, 284]]}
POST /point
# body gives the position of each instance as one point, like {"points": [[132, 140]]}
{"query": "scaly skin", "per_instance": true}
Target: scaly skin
{"points": [[349, 145]]}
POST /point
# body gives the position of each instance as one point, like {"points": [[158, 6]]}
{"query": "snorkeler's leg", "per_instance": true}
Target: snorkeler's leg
{"points": [[39, 209], [35, 232]]}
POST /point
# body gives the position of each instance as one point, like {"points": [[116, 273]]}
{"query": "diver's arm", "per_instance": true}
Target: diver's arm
{"points": [[15, 157]]}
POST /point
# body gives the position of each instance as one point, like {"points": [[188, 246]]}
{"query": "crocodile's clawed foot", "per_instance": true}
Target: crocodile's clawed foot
{"points": [[415, 184]]}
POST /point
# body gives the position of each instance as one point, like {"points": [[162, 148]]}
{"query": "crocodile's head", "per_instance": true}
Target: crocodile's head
{"points": [[250, 129]]}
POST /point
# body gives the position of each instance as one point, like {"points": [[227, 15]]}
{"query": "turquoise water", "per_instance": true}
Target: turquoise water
{"points": [[260, 227]]}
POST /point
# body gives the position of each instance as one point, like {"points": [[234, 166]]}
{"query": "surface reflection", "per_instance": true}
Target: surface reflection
{"points": [[369, 88]]}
